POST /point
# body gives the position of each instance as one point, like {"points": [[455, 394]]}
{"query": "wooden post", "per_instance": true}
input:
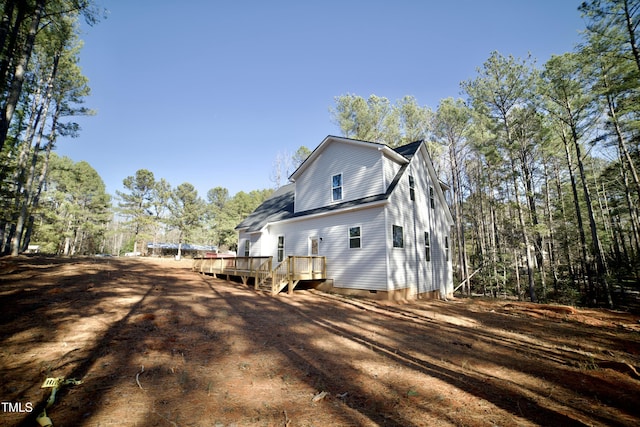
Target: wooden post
{"points": [[254, 272]]}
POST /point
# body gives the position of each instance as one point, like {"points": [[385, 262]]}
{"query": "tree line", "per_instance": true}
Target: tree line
{"points": [[76, 215], [542, 163], [41, 89], [152, 211]]}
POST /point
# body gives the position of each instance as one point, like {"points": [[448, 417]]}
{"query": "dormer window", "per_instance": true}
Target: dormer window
{"points": [[336, 187]]}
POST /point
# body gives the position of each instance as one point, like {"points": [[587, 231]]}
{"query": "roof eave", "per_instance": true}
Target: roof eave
{"points": [[391, 153], [388, 151], [330, 212]]}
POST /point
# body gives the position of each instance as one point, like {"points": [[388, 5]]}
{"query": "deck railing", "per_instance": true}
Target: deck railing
{"points": [[280, 276], [257, 267], [263, 272], [289, 272], [307, 267]]}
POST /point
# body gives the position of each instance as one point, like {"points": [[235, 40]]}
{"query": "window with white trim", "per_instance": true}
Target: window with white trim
{"points": [[247, 247], [355, 237], [280, 248], [427, 246], [336, 187]]}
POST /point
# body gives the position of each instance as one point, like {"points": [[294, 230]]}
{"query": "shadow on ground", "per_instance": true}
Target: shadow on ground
{"points": [[156, 344]]}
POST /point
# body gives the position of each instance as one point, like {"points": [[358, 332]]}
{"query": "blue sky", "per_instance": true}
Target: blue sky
{"points": [[209, 92]]}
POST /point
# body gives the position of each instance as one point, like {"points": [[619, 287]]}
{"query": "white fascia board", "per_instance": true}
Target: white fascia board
{"points": [[244, 230], [389, 152], [367, 144]]}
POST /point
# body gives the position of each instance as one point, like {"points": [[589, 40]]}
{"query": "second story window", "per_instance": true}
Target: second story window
{"points": [[412, 188], [432, 200], [336, 187]]}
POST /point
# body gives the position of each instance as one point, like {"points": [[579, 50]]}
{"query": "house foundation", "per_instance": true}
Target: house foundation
{"points": [[398, 295]]}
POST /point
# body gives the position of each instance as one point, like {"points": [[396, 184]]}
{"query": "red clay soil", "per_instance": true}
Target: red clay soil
{"points": [[156, 344]]}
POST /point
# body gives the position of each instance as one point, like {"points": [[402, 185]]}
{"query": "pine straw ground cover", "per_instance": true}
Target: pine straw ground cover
{"points": [[156, 344]]}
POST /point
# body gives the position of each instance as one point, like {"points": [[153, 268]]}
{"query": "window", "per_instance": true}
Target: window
{"points": [[398, 240], [354, 238], [412, 188], [446, 248], [336, 187], [432, 201], [247, 246], [280, 248], [427, 246]]}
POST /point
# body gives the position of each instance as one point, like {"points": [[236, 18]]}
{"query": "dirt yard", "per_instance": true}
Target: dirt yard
{"points": [[155, 344]]}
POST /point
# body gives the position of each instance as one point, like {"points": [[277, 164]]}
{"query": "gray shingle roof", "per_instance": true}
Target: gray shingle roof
{"points": [[281, 204], [408, 150], [277, 207]]}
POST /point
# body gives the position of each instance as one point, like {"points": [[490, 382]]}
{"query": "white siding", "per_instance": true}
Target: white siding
{"points": [[404, 263], [361, 169], [362, 268], [442, 267], [391, 168], [408, 267], [255, 241], [242, 237]]}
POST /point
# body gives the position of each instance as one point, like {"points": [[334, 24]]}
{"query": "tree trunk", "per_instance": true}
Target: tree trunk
{"points": [[622, 145], [10, 32], [533, 212], [525, 238], [551, 225], [632, 35], [596, 245], [494, 242], [521, 221], [43, 173], [5, 23], [19, 74], [457, 208], [633, 218], [563, 213], [26, 203], [584, 261]]}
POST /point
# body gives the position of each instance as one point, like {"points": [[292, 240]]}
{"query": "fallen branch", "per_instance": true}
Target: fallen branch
{"points": [[468, 278], [319, 396], [138, 375]]}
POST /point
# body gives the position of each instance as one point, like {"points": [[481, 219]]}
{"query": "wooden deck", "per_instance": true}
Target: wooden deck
{"points": [[288, 273]]}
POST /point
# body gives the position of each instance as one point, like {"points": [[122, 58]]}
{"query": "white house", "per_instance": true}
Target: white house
{"points": [[377, 214]]}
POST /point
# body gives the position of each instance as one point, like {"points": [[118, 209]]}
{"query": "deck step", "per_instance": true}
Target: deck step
{"points": [[266, 285]]}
